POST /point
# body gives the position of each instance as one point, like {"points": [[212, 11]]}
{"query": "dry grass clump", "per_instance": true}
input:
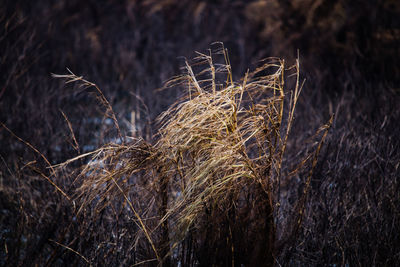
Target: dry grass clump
{"points": [[350, 58], [206, 191]]}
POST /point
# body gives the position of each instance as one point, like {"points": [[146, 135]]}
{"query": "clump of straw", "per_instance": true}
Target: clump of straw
{"points": [[207, 185]]}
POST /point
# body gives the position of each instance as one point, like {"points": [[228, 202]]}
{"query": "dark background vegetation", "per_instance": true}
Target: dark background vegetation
{"points": [[349, 53]]}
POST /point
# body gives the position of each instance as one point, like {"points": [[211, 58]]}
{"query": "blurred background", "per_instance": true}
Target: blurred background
{"points": [[349, 53]]}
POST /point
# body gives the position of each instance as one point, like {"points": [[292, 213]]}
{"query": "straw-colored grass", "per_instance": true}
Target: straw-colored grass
{"points": [[208, 183]]}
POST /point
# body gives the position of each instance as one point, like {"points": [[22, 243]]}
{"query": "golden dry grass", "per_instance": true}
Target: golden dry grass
{"points": [[216, 160]]}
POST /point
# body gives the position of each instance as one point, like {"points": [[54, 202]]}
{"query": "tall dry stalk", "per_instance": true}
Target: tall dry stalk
{"points": [[205, 191]]}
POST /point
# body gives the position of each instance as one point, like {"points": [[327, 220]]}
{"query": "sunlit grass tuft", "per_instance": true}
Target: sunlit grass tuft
{"points": [[209, 182]]}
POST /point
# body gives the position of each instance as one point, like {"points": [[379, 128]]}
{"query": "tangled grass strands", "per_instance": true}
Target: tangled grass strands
{"points": [[216, 160]]}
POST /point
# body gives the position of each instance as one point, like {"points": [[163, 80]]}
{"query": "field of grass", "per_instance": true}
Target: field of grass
{"points": [[199, 133]]}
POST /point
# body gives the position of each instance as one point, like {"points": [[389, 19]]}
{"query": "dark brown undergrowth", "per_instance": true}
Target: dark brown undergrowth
{"points": [[349, 53]]}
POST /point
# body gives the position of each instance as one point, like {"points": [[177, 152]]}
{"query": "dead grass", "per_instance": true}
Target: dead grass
{"points": [[211, 178], [348, 53]]}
